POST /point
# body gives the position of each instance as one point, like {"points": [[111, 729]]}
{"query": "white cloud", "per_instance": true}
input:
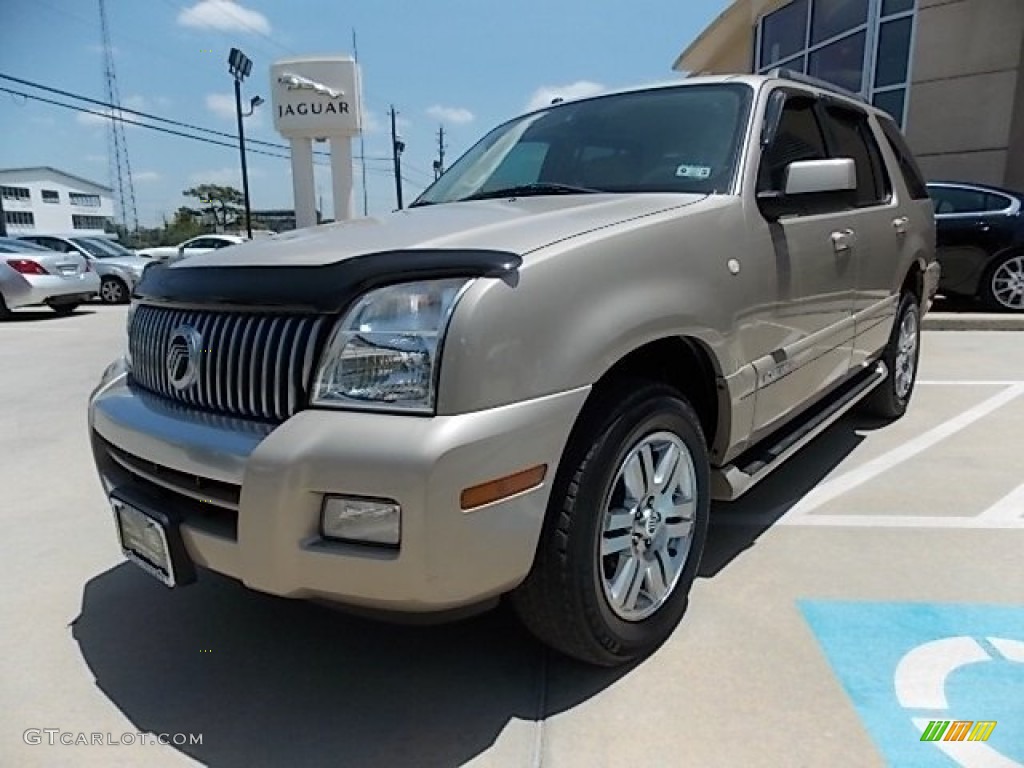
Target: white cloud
{"points": [[135, 101], [92, 119], [371, 123], [228, 176], [581, 89], [221, 104], [224, 15], [145, 176], [456, 115]]}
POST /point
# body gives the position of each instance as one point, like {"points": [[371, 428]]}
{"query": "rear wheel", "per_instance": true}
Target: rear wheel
{"points": [[4, 311], [890, 399], [113, 291], [1003, 286], [625, 529]]}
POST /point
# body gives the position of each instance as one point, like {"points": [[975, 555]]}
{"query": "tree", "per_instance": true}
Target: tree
{"points": [[222, 204]]}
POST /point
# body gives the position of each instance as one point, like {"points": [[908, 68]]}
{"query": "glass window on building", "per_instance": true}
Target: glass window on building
{"points": [[15, 194], [51, 196], [20, 219], [860, 45]]}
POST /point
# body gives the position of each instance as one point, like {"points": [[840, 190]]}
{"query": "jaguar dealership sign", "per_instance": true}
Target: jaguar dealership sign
{"points": [[318, 99]]}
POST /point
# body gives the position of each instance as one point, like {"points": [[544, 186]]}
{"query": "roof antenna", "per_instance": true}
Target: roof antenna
{"points": [[557, 100]]}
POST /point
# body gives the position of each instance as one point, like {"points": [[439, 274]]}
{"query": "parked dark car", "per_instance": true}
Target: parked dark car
{"points": [[980, 239]]}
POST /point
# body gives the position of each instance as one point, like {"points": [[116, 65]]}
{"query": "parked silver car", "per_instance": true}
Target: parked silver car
{"points": [[533, 382], [119, 268], [31, 275]]}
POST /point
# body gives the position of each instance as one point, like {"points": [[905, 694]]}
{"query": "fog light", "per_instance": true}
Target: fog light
{"points": [[371, 521]]}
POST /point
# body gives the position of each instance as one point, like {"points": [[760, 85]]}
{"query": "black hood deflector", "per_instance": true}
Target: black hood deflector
{"points": [[320, 288]]}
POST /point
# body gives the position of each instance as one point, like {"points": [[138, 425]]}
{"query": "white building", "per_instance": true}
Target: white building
{"points": [[44, 200]]}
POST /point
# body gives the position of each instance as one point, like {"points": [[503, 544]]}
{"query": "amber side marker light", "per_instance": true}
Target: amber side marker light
{"points": [[503, 487]]}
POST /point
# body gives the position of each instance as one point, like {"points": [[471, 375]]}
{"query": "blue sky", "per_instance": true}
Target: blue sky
{"points": [[467, 64]]}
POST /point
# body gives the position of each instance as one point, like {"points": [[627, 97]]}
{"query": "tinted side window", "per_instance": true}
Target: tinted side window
{"points": [[994, 202], [908, 165], [798, 137], [958, 200], [852, 138]]}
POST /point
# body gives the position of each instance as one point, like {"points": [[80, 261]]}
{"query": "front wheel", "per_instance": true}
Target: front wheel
{"points": [[1003, 286], [890, 399], [625, 529]]}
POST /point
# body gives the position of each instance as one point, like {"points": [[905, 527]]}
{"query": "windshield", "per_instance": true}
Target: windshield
{"points": [[102, 249], [683, 139]]}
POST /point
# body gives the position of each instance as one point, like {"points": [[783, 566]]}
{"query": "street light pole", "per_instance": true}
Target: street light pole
{"points": [[240, 65]]}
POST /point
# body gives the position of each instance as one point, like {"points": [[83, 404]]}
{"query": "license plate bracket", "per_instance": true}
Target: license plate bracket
{"points": [[152, 540]]}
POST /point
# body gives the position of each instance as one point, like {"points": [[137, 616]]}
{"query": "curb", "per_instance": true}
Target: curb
{"points": [[971, 321]]}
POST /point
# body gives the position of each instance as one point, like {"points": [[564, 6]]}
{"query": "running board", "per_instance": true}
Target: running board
{"points": [[733, 480]]}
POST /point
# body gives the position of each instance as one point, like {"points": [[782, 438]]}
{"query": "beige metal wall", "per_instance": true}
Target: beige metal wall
{"points": [[966, 112]]}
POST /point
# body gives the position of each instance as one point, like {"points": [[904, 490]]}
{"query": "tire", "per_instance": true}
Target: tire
{"points": [[113, 290], [568, 599], [4, 311], [64, 309], [1002, 288], [889, 400]]}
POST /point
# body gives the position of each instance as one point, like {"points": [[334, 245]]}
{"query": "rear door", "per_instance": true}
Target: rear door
{"points": [[875, 220], [972, 225]]}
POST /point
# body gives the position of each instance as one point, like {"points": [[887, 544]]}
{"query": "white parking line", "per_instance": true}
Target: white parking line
{"points": [[965, 383], [872, 521], [833, 489], [1010, 507]]}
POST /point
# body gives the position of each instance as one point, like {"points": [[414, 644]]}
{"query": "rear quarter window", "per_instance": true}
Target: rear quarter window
{"points": [[905, 158]]}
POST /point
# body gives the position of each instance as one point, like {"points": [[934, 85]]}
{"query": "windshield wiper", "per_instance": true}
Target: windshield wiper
{"points": [[532, 190]]}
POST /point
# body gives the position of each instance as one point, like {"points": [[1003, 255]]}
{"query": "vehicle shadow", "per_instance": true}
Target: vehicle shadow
{"points": [[736, 526], [270, 682], [37, 315]]}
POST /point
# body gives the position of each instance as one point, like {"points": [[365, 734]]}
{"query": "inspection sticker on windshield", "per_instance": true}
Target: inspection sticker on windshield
{"points": [[693, 171]]}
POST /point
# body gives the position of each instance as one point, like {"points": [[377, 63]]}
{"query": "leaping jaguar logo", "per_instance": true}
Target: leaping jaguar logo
{"points": [[183, 351]]}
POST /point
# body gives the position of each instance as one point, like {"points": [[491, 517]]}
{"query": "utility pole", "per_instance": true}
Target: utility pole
{"points": [[397, 147], [362, 137], [439, 163]]}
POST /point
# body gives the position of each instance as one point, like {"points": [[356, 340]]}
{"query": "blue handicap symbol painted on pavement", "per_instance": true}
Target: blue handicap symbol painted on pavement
{"points": [[906, 664]]}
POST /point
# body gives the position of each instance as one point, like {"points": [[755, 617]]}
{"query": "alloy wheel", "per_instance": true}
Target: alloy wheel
{"points": [[1008, 283], [647, 529], [906, 353]]}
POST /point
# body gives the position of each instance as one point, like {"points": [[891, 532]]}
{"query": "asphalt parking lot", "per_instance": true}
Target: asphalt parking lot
{"points": [[853, 597]]}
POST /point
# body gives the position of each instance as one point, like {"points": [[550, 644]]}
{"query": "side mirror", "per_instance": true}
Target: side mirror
{"points": [[813, 177], [825, 185]]}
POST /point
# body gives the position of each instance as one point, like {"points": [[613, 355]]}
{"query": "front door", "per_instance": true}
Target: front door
{"points": [[815, 272]]}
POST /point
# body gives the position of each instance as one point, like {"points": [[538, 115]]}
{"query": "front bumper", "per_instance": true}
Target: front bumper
{"points": [[31, 290], [251, 496]]}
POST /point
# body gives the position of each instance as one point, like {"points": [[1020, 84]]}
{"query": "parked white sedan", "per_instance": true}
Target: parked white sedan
{"points": [[31, 275], [193, 247]]}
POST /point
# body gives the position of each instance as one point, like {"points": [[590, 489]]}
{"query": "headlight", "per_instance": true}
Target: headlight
{"points": [[386, 351]]}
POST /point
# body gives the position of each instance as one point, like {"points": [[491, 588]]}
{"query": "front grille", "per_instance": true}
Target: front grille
{"points": [[253, 365]]}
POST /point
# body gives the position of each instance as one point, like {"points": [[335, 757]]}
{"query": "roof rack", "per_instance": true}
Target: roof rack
{"points": [[799, 77]]}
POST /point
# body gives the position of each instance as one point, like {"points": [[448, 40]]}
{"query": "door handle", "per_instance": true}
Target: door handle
{"points": [[842, 240], [900, 224], [983, 226]]}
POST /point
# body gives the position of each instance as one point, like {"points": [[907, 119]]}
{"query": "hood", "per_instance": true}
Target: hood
{"points": [[160, 250], [518, 226]]}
